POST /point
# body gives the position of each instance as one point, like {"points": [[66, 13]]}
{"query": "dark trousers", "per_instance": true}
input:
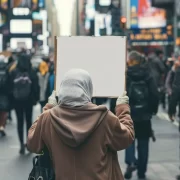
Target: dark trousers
{"points": [[23, 110], [174, 100], [143, 154]]}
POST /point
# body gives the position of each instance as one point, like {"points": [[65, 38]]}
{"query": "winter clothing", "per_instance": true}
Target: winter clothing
{"points": [[123, 99], [43, 68], [88, 136], [24, 106], [157, 68], [141, 73], [76, 88], [82, 138], [51, 83], [43, 84], [142, 119], [173, 88]]}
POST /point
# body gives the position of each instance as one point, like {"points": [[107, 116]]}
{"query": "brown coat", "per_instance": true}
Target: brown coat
{"points": [[83, 141]]}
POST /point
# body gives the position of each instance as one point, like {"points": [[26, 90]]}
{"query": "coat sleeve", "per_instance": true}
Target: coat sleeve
{"points": [[120, 129], [35, 141]]}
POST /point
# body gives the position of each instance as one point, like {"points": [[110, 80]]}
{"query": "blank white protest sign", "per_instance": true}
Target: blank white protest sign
{"points": [[103, 57]]}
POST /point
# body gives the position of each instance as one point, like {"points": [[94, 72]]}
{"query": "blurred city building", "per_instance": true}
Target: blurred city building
{"points": [[148, 24]]}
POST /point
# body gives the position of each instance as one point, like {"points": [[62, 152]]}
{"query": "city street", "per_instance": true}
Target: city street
{"points": [[164, 153]]}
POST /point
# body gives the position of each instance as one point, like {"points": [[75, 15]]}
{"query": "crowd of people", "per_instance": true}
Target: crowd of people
{"points": [[150, 81], [22, 87]]}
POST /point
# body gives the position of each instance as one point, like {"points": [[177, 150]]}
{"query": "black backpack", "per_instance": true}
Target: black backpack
{"points": [[22, 86], [138, 97]]}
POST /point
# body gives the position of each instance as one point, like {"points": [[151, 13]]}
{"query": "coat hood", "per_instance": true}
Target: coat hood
{"points": [[75, 125], [138, 72]]}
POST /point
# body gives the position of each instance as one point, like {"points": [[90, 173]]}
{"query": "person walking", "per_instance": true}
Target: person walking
{"points": [[82, 138], [4, 95], [143, 94], [158, 71], [25, 93], [11, 66], [43, 78]]}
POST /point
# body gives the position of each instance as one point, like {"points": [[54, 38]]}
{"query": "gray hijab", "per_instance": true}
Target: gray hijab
{"points": [[76, 88]]}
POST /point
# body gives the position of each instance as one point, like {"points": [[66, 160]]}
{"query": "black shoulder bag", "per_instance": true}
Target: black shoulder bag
{"points": [[42, 167]]}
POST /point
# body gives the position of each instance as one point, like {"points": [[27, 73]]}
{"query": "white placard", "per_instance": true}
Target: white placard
{"points": [[103, 57]]}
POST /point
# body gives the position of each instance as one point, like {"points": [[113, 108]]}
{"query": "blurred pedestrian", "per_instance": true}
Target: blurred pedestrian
{"points": [[43, 78], [75, 129], [143, 95], [173, 88], [25, 94], [11, 67], [4, 95], [158, 70]]}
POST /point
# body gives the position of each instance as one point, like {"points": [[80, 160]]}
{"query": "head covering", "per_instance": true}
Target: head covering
{"points": [[24, 62], [76, 88], [43, 68]]}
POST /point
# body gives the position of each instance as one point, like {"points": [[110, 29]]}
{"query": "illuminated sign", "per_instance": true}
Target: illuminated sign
{"points": [[143, 15], [152, 35], [4, 4]]}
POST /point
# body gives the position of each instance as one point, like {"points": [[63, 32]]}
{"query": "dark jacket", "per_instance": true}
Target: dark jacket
{"points": [[5, 89], [24, 65], [158, 69], [142, 121]]}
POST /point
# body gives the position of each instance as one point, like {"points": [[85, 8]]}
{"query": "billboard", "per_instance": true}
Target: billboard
{"points": [[16, 43], [103, 24], [90, 9], [163, 35], [143, 15], [17, 28], [4, 4], [163, 3], [21, 3]]}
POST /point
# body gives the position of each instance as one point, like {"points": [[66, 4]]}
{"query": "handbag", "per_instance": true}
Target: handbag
{"points": [[42, 167]]}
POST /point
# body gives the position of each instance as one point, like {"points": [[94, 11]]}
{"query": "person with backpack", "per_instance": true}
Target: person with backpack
{"points": [[43, 78], [81, 137], [4, 95], [143, 101], [25, 93]]}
